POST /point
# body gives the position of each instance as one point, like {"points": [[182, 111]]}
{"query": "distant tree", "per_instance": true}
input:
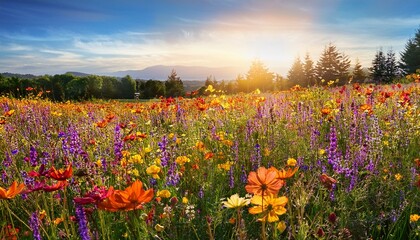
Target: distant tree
{"points": [[230, 87], [410, 56], [282, 83], [332, 65], [259, 77], [242, 84], [309, 71], [110, 86], [296, 73], [94, 86], [59, 83], [44, 83], [359, 75], [378, 70], [76, 89], [391, 66], [174, 86], [127, 88], [152, 89], [211, 80]]}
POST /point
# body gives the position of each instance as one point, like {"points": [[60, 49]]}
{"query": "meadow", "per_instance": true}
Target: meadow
{"points": [[319, 163]]}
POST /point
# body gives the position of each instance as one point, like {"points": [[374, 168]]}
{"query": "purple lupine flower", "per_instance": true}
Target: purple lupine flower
{"points": [[256, 158], [81, 219], [33, 155], [153, 181], [332, 193], [164, 159], [104, 164], [314, 138], [332, 150], [201, 193], [244, 176], [8, 161], [231, 178], [172, 178], [34, 224], [4, 176], [45, 157], [118, 145]]}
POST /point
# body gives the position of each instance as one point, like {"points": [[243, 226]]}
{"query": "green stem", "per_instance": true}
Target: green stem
{"points": [[12, 213]]}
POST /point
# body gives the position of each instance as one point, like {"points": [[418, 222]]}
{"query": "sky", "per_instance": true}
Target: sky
{"points": [[98, 36]]}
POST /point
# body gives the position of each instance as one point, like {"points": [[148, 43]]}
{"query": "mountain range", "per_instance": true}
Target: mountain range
{"points": [[161, 72]]}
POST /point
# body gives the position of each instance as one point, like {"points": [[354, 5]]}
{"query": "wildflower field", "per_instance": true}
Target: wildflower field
{"points": [[318, 163]]}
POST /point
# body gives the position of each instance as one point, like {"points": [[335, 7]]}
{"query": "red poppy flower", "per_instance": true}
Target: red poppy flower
{"points": [[327, 181], [59, 185], [61, 174]]}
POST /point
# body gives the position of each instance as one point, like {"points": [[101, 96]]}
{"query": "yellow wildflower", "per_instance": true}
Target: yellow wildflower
{"points": [[164, 193], [58, 221], [181, 160], [136, 159], [398, 177], [414, 217], [159, 228], [154, 171], [281, 226], [291, 162]]}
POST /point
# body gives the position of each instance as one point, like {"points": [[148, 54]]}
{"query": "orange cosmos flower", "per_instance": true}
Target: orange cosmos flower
{"points": [[264, 181], [133, 197], [13, 190], [270, 206], [367, 108], [326, 111], [9, 113], [61, 174], [327, 181], [287, 172]]}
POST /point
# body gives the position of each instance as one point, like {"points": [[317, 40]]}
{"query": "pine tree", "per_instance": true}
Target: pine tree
{"points": [[309, 70], [378, 70], [174, 86], [359, 75], [332, 65], [296, 74], [259, 77], [392, 69], [410, 57]]}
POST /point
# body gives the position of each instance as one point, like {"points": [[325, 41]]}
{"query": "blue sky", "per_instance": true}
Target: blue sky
{"points": [[98, 36]]}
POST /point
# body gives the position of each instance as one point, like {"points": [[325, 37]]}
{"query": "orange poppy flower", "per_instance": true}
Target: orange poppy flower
{"points": [[287, 172], [326, 111], [367, 108], [61, 174], [133, 197], [263, 182], [327, 181], [13, 190], [102, 123], [9, 113]]}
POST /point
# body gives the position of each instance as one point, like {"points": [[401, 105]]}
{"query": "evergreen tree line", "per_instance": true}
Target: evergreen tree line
{"points": [[332, 66]]}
